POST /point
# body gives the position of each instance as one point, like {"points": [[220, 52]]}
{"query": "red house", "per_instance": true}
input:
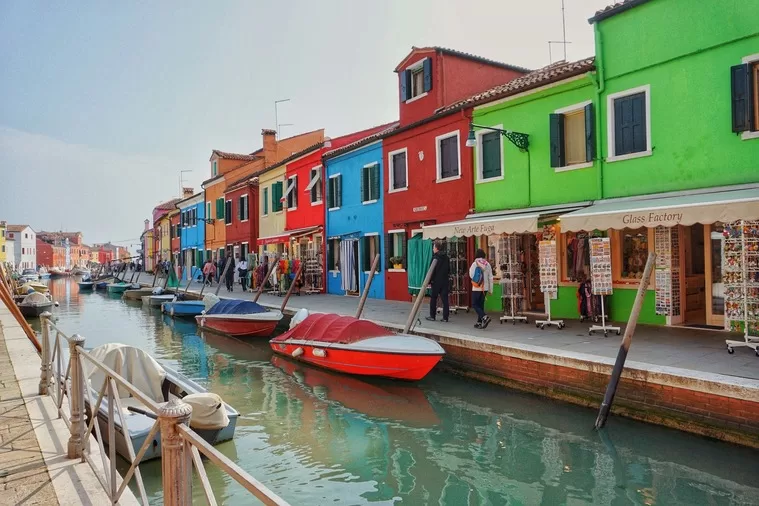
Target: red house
{"points": [[242, 223], [429, 169], [105, 255], [45, 255]]}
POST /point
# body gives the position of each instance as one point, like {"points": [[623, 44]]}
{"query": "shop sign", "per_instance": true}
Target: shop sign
{"points": [[468, 230], [420, 209], [652, 218]]}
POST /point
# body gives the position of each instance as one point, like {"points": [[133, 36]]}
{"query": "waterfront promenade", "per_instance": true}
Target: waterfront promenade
{"points": [[674, 376]]}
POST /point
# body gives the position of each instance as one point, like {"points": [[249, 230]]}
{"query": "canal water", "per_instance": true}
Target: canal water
{"points": [[318, 438]]}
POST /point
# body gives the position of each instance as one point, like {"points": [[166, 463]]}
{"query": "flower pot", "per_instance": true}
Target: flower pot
{"points": [[398, 266]]}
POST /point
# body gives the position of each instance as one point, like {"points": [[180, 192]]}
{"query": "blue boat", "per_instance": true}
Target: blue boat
{"points": [[187, 308], [101, 285]]}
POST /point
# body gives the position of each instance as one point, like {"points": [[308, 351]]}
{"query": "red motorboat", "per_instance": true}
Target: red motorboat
{"points": [[236, 317], [349, 345]]}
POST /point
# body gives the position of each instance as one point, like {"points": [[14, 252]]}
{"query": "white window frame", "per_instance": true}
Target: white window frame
{"points": [[293, 178], [247, 208], [214, 168], [480, 166], [231, 218], [339, 240], [438, 139], [567, 110], [398, 231], [753, 58], [390, 178], [333, 176], [319, 169], [379, 243], [612, 157], [379, 192], [413, 68]]}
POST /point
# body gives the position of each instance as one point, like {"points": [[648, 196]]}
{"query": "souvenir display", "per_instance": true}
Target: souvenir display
{"points": [[458, 294], [600, 278], [548, 279], [512, 279], [667, 300], [740, 275]]}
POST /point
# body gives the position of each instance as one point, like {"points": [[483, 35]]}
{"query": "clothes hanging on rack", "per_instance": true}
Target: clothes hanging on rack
{"points": [[349, 283]]}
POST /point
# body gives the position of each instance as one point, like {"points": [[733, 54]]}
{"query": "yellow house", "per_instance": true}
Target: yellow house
{"points": [[163, 229], [148, 250], [271, 214], [3, 256]]}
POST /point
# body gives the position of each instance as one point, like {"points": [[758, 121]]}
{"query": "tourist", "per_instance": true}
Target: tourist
{"points": [[229, 277], [219, 267], [440, 281], [481, 275], [242, 271], [209, 272]]}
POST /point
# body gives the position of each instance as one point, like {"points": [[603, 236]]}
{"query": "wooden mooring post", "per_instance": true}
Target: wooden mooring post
{"points": [[624, 348], [291, 287], [223, 276], [272, 265], [176, 456], [367, 286], [420, 297]]}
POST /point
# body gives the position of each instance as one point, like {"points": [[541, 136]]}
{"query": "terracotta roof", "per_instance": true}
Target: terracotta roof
{"points": [[233, 156], [168, 205], [17, 228], [362, 142], [552, 73], [294, 156], [218, 176], [614, 9], [466, 56]]}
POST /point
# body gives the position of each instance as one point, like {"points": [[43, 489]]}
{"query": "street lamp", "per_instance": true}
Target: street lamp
{"points": [[518, 139]]}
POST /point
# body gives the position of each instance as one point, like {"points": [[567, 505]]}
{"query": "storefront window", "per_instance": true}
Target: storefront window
{"points": [[634, 252], [577, 255], [718, 288]]}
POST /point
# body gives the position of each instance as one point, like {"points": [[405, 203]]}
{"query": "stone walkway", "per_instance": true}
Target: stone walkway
{"points": [[24, 478]]}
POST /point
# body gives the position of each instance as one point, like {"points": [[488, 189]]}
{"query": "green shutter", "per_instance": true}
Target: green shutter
{"points": [[374, 171], [556, 131], [339, 191], [266, 201], [388, 250], [330, 193], [491, 155], [364, 184], [590, 133], [403, 251], [220, 208]]}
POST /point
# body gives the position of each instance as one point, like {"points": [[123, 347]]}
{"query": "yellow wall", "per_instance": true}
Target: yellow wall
{"points": [[149, 258], [216, 232], [272, 223], [164, 224]]}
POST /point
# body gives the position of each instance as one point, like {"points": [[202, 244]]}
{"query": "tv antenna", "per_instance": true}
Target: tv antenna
{"points": [[563, 40]]}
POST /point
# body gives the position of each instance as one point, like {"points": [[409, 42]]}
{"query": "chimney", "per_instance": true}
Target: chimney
{"points": [[270, 145], [187, 192], [147, 225]]}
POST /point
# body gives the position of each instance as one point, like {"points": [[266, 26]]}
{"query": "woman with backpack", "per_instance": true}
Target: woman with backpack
{"points": [[481, 275]]}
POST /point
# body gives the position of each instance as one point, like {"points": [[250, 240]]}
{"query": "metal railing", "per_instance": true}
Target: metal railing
{"points": [[181, 447]]}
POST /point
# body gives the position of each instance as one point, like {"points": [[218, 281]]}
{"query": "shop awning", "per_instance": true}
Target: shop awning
{"points": [[514, 224], [313, 181], [684, 209], [285, 236]]}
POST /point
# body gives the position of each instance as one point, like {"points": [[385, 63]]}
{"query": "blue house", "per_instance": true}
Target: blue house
{"points": [[354, 221], [192, 235]]}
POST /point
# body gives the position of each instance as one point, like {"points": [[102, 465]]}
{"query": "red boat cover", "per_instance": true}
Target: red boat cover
{"points": [[332, 328]]}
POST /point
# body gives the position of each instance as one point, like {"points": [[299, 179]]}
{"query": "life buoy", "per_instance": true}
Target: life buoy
{"points": [[297, 352], [318, 352]]}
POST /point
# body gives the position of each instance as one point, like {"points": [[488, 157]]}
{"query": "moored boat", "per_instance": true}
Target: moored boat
{"points": [[185, 308], [35, 304], [29, 275], [237, 317], [158, 299], [119, 287], [212, 418], [28, 287], [43, 273], [137, 293], [353, 346], [57, 272], [86, 285]]}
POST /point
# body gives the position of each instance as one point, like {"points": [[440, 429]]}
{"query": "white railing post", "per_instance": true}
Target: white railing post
{"points": [[45, 367], [176, 459], [76, 398]]}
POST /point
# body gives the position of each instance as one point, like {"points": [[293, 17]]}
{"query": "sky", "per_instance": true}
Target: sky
{"points": [[102, 104]]}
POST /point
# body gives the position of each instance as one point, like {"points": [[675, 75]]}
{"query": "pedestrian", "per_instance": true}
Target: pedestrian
{"points": [[230, 276], [481, 275], [209, 272], [242, 271], [219, 267], [440, 281]]}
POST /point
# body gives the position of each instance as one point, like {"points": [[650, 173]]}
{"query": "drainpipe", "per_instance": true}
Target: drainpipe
{"points": [[600, 85]]}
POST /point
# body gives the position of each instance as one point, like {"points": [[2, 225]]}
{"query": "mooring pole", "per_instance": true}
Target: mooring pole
{"points": [[611, 389], [272, 264], [368, 285], [168, 273], [420, 296], [292, 286], [223, 274]]}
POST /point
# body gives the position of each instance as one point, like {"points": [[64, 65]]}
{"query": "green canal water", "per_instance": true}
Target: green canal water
{"points": [[318, 438]]}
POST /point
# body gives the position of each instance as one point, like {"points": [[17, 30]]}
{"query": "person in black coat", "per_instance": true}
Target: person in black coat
{"points": [[439, 281]]}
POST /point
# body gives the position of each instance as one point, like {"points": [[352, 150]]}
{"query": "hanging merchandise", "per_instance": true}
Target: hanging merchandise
{"points": [[512, 278], [458, 295], [740, 273], [419, 260], [313, 268], [601, 280], [548, 280], [348, 265]]}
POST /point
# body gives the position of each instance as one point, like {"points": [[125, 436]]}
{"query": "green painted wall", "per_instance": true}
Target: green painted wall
{"points": [[565, 306], [529, 114], [684, 53]]}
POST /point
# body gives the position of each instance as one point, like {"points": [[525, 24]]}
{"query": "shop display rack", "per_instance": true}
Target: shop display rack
{"points": [[740, 272], [548, 280], [512, 279], [601, 280]]}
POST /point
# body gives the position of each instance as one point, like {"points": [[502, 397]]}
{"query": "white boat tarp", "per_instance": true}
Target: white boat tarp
{"points": [[208, 411], [132, 364]]}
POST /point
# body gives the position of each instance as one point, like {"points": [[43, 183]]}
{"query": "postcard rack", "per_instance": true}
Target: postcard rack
{"points": [[548, 281], [512, 279], [740, 273], [601, 280]]}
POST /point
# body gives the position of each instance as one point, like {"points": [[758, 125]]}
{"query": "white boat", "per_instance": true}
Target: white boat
{"points": [[77, 271], [29, 275], [212, 418], [35, 304]]}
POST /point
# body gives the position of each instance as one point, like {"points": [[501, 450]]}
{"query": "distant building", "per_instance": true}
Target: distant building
{"points": [[25, 246], [3, 257]]}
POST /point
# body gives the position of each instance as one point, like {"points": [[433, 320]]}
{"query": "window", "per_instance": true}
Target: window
{"points": [[629, 124], [214, 168], [244, 251], [395, 248], [335, 192], [489, 154], [26, 236], [370, 189], [265, 202], [194, 215], [333, 254], [228, 212], [572, 137], [447, 156], [208, 210], [276, 197], [314, 185], [634, 252], [242, 208], [183, 219], [744, 89], [416, 80], [398, 170], [292, 193], [220, 208], [370, 247]]}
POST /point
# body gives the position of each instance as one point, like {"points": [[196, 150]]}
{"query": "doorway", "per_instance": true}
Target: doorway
{"points": [[349, 266], [701, 266]]}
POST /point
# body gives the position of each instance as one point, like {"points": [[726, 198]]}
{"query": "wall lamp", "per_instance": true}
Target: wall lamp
{"points": [[518, 139]]}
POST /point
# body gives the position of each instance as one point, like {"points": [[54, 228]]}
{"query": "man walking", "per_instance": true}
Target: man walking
{"points": [[481, 275], [242, 271], [219, 267], [229, 277], [440, 281]]}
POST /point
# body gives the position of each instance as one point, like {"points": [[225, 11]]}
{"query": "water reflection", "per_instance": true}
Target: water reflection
{"points": [[316, 438]]}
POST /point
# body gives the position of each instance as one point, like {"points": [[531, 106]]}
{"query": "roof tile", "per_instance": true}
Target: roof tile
{"points": [[614, 9]]}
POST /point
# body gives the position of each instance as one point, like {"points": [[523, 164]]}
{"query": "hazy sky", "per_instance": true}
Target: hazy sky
{"points": [[103, 103]]}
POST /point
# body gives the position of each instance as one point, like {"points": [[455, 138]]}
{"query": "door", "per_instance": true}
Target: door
{"points": [[695, 274], [349, 266], [715, 290]]}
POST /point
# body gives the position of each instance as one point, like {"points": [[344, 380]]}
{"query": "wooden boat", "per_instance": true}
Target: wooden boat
{"points": [[237, 317], [35, 304], [158, 299], [212, 419], [187, 308], [101, 285], [352, 346], [43, 273], [119, 287], [32, 286], [57, 272], [137, 293], [78, 271], [29, 275], [85, 285]]}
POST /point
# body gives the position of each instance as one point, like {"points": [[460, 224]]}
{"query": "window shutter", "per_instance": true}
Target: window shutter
{"points": [[639, 122], [619, 126], [491, 155], [339, 191], [364, 183], [374, 170], [741, 96], [388, 250], [266, 201], [330, 193], [405, 89], [557, 139], [295, 192], [427, 74], [590, 133], [239, 208]]}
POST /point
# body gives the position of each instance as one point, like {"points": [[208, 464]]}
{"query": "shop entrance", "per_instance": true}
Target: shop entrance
{"points": [[701, 283], [534, 299]]}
